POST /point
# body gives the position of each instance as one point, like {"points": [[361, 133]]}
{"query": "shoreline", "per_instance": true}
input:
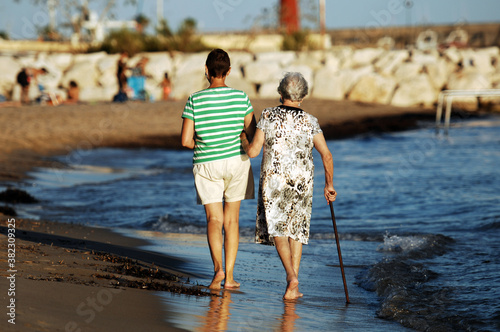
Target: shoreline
{"points": [[53, 258], [67, 276], [32, 134]]}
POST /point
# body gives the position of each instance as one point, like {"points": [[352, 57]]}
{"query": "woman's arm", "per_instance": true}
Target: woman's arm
{"points": [[187, 135], [252, 149], [326, 156]]}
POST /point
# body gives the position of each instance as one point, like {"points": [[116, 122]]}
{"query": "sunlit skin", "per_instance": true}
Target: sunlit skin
{"points": [[220, 216], [289, 250]]}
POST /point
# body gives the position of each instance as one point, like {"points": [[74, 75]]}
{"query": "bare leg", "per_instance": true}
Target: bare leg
{"points": [[231, 240], [292, 288], [296, 251], [215, 220]]}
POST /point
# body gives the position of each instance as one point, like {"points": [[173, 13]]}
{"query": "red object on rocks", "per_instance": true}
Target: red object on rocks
{"points": [[289, 15]]}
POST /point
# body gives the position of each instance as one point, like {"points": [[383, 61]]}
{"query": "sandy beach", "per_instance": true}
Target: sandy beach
{"points": [[77, 278], [30, 134]]}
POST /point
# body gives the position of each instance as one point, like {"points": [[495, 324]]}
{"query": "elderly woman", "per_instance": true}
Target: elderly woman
{"points": [[286, 176]]}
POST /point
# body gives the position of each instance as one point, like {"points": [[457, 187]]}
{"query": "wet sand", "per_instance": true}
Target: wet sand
{"points": [[60, 267]]}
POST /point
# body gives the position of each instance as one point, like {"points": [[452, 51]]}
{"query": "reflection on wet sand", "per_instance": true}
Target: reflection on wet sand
{"points": [[218, 313], [289, 316]]}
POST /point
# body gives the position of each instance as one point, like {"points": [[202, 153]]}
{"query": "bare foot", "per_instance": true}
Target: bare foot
{"points": [[231, 284], [216, 281], [292, 290]]}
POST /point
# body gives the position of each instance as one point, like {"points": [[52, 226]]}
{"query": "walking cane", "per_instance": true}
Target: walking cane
{"points": [[340, 254]]}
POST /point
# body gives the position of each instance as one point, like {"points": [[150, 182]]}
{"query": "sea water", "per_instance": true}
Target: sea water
{"points": [[418, 216]]}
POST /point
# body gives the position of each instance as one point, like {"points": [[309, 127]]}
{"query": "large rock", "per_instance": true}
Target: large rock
{"points": [[269, 90], [8, 74], [154, 91], [238, 62], [311, 59], [468, 79], [52, 79], [336, 85], [26, 60], [60, 60], [184, 85], [424, 57], [108, 64], [495, 79], [241, 84], [332, 63], [415, 91], [89, 57], [343, 53], [189, 64], [365, 56], [283, 58], [158, 64], [107, 68], [108, 79], [260, 72], [84, 73], [453, 55], [306, 71], [328, 85], [33, 92], [407, 69], [90, 94], [388, 62], [373, 88], [439, 72], [351, 76], [481, 60], [240, 59]]}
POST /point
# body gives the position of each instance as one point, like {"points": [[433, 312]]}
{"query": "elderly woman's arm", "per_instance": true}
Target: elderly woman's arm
{"points": [[252, 149], [326, 156]]}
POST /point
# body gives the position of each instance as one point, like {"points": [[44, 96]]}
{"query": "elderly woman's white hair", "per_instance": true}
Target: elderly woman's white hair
{"points": [[293, 86]]}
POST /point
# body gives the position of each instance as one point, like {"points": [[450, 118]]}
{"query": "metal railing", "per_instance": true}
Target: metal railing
{"points": [[446, 98]]}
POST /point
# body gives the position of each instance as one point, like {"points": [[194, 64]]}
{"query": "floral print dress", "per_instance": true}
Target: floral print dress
{"points": [[286, 175]]}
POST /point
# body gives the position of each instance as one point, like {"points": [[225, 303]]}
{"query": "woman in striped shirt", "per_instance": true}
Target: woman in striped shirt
{"points": [[212, 122]]}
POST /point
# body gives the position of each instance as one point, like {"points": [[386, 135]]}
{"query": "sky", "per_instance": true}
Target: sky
{"points": [[20, 19]]}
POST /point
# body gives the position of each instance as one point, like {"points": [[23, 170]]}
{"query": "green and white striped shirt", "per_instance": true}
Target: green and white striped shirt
{"points": [[219, 117]]}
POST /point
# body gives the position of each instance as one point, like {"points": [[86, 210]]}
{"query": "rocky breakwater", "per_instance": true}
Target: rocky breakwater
{"points": [[372, 75]]}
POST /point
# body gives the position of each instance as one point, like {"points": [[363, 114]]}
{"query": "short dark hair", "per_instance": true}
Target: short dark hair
{"points": [[218, 63]]}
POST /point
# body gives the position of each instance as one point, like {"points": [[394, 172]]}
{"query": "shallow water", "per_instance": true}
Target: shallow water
{"points": [[418, 217]]}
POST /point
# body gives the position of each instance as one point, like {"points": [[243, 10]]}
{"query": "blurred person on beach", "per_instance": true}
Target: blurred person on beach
{"points": [[73, 93], [26, 77], [166, 86], [120, 73], [288, 135], [140, 68], [23, 79], [36, 74], [121, 76], [213, 119]]}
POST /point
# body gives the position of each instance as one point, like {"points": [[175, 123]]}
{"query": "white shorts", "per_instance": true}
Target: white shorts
{"points": [[228, 180]]}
